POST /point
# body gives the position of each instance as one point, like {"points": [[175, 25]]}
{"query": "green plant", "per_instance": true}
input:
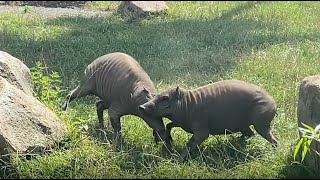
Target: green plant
{"points": [[308, 135], [47, 86]]}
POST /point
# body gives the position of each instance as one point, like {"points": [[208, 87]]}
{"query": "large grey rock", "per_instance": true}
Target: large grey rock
{"points": [[142, 8], [26, 125], [16, 72], [309, 113]]}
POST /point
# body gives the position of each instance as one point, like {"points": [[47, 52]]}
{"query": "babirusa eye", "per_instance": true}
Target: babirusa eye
{"points": [[165, 98]]}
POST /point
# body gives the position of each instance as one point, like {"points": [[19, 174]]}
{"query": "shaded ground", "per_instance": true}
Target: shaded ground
{"points": [[50, 9]]}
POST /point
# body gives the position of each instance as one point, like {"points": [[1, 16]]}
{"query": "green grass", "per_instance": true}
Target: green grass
{"points": [[272, 44], [102, 5]]}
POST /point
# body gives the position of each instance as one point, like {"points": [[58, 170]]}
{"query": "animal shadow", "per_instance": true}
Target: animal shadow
{"points": [[137, 155], [105, 136], [101, 135], [294, 169], [228, 152]]}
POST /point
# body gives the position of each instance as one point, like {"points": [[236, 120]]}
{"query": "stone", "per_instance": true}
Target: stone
{"points": [[308, 112], [142, 8], [26, 125], [16, 72]]}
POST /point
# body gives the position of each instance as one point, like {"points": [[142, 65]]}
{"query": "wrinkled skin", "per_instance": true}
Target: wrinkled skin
{"points": [[223, 107], [120, 85]]}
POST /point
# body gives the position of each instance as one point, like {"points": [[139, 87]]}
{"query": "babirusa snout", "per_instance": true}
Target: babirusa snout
{"points": [[142, 107], [147, 107]]}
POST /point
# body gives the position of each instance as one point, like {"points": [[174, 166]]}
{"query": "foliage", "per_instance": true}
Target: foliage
{"points": [[309, 134], [47, 85]]}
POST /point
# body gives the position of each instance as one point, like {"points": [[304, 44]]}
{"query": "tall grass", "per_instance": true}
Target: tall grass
{"points": [[272, 44]]}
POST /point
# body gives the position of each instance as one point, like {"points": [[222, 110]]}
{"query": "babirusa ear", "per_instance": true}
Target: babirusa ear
{"points": [[178, 93]]}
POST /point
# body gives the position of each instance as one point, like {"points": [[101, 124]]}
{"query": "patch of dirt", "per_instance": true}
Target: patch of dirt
{"points": [[49, 9], [53, 4]]}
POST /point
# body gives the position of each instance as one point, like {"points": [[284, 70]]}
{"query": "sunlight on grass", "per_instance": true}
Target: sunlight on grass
{"points": [[102, 5], [30, 28]]}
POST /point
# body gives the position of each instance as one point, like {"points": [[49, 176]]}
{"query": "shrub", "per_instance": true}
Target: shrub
{"points": [[47, 87], [308, 135]]}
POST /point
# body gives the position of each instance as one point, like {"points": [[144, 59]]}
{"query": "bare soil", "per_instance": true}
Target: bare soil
{"points": [[49, 9]]}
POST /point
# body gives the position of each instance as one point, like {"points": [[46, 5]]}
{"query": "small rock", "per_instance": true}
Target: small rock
{"points": [[142, 8]]}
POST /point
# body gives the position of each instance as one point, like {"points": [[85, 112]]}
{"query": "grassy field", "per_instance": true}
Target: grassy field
{"points": [[272, 44]]}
